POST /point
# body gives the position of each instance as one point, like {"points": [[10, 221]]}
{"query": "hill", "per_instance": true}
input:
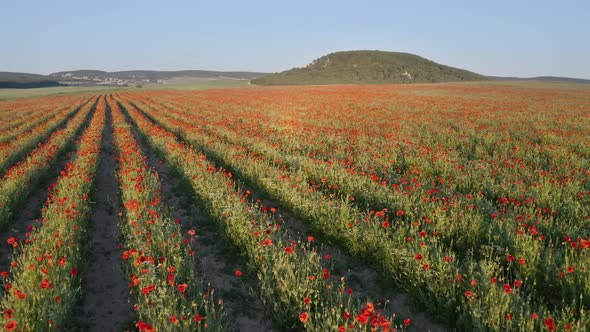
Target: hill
{"points": [[10, 80], [149, 76], [353, 67], [119, 78]]}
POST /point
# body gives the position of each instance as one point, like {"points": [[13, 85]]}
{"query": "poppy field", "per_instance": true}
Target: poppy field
{"points": [[319, 208]]}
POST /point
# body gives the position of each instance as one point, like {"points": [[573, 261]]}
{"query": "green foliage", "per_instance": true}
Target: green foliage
{"points": [[369, 67]]}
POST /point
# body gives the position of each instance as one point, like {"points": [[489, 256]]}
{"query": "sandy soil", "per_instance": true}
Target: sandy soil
{"points": [[214, 263], [27, 216], [105, 305], [361, 277]]}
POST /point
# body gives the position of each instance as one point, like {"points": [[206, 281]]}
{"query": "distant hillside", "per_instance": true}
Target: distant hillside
{"points": [[10, 80], [152, 76], [119, 78], [369, 67], [543, 79]]}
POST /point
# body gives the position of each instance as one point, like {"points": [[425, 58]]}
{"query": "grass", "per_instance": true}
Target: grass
{"points": [[202, 84], [6, 94], [179, 84], [530, 84], [198, 84]]}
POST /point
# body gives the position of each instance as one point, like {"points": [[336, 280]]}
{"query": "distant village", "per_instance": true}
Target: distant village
{"points": [[70, 79]]}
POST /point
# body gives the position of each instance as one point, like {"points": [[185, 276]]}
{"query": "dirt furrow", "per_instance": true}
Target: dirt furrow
{"points": [[215, 261], [28, 215], [105, 305], [362, 278]]}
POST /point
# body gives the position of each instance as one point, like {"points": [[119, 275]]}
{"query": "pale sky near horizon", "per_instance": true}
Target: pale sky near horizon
{"points": [[503, 38]]}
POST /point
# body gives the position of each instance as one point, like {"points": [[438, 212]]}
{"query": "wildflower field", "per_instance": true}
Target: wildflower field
{"points": [[319, 208]]}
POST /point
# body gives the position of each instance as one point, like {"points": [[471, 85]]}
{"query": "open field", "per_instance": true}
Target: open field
{"points": [[182, 84], [7, 94], [319, 208]]}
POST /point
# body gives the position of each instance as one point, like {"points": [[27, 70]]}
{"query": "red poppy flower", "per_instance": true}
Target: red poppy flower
{"points": [[171, 279], [182, 287], [148, 289], [363, 319], [303, 317], [144, 326], [45, 284], [549, 323], [10, 325]]}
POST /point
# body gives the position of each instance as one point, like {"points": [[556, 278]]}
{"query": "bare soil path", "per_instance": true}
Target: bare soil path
{"points": [[29, 213], [27, 216], [363, 278], [215, 262], [105, 305]]}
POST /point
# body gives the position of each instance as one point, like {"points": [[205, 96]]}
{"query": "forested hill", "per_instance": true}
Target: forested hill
{"points": [[353, 67]]}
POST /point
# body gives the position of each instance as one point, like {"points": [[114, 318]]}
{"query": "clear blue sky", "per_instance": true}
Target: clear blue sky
{"points": [[508, 38]]}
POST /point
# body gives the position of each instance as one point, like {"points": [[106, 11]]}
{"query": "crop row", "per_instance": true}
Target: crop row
{"points": [[15, 149], [429, 263], [459, 223], [158, 257], [17, 115], [22, 179], [21, 123], [42, 289], [294, 285]]}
